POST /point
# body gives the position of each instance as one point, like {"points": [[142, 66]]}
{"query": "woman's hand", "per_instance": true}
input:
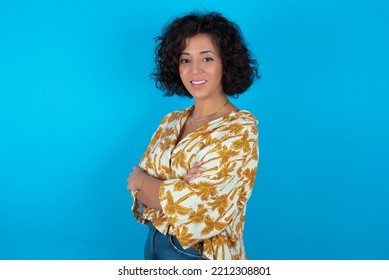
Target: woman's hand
{"points": [[194, 172], [135, 178]]}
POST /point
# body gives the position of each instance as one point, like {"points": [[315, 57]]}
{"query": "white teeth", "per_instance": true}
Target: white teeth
{"points": [[198, 82]]}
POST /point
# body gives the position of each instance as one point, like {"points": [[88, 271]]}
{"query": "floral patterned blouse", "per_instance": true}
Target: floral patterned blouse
{"points": [[212, 207]]}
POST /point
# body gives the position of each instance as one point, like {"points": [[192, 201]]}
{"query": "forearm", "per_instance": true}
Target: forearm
{"points": [[148, 193], [150, 186]]}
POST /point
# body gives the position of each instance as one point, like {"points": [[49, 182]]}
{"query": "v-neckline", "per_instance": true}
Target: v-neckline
{"points": [[185, 118], [182, 123]]}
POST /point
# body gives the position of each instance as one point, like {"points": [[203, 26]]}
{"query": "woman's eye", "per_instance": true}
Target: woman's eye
{"points": [[184, 60], [208, 59]]}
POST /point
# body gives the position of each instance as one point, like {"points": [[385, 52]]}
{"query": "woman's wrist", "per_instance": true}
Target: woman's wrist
{"points": [[142, 182]]}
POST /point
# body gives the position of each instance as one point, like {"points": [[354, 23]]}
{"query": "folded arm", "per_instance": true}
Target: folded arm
{"points": [[146, 188]]}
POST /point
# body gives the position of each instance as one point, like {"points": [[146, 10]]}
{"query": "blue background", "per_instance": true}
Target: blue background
{"points": [[77, 109]]}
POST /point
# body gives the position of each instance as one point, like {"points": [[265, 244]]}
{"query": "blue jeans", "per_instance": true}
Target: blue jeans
{"points": [[166, 247]]}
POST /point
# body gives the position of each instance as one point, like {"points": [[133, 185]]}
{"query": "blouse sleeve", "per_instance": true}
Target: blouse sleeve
{"points": [[205, 206], [138, 208]]}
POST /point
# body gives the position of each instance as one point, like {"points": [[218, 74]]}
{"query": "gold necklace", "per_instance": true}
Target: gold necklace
{"points": [[211, 115]]}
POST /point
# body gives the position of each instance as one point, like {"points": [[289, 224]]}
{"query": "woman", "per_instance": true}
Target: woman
{"points": [[193, 182]]}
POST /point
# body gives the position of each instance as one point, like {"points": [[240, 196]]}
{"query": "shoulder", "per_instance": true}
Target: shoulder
{"points": [[243, 119], [241, 124]]}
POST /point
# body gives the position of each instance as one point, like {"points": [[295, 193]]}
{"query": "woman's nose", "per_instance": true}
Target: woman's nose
{"points": [[196, 67]]}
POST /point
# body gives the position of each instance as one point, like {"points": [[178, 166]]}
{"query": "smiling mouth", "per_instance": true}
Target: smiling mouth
{"points": [[200, 82]]}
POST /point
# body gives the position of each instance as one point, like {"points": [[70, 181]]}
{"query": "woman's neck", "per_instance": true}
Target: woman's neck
{"points": [[205, 108]]}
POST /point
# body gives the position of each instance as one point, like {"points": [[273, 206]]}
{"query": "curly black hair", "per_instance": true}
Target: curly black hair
{"points": [[239, 68]]}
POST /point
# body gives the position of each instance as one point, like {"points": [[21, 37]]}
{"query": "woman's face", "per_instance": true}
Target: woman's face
{"points": [[201, 68]]}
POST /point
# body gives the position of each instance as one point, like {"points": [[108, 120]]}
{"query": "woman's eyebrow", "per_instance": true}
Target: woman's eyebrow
{"points": [[202, 52], [207, 51]]}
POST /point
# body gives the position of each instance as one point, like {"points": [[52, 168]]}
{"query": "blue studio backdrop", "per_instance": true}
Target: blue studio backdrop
{"points": [[77, 109]]}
